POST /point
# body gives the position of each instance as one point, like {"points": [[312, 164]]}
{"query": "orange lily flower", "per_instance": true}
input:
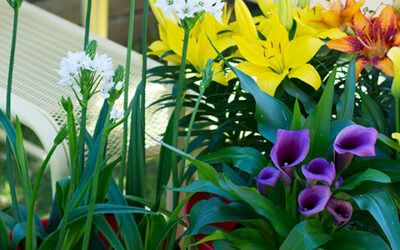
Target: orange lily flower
{"points": [[374, 38], [339, 15]]}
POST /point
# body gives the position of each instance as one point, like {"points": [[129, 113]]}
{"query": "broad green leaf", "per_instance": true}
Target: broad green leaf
{"points": [[389, 142], [156, 224], [214, 210], [318, 122], [296, 121], [280, 221], [19, 233], [367, 175], [299, 94], [389, 167], [246, 159], [271, 114], [356, 240], [345, 106], [4, 239], [166, 231], [371, 111], [104, 227], [382, 208], [308, 234]]}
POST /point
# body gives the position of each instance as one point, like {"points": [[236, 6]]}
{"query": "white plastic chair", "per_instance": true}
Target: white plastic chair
{"points": [[43, 40]]}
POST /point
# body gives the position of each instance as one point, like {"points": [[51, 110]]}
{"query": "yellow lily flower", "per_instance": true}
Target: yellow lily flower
{"points": [[339, 15], [270, 61], [169, 47], [394, 55], [267, 7], [245, 20]]}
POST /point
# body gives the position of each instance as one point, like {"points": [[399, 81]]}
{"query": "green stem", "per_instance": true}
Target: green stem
{"points": [[95, 184], [30, 229], [189, 132], [178, 107], [397, 122], [87, 25], [126, 92], [81, 141], [14, 200], [287, 196]]}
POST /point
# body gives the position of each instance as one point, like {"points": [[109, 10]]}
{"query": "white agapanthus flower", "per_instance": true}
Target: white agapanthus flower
{"points": [[189, 8], [116, 114], [105, 87], [104, 66]]}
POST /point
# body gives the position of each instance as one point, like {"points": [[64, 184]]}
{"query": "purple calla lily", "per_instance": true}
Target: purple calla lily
{"points": [[353, 140], [320, 169], [267, 177], [290, 149], [341, 211], [313, 199]]}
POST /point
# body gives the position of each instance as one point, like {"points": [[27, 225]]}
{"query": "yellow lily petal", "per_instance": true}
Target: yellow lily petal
{"points": [[331, 18], [333, 33], [219, 74], [396, 136], [308, 74], [301, 50], [250, 50], [269, 81], [245, 20], [250, 69], [174, 37], [266, 6], [158, 48], [394, 55]]}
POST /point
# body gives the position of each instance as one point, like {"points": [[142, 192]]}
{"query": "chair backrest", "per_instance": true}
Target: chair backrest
{"points": [[43, 40]]}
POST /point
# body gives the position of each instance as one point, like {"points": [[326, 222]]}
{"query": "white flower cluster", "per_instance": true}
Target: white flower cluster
{"points": [[188, 8], [72, 65]]}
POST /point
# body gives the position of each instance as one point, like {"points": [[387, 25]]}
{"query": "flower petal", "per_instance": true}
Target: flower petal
{"points": [[331, 18], [267, 177], [394, 55], [357, 140], [245, 20], [313, 200], [363, 26], [269, 81], [384, 64], [250, 50], [308, 74], [349, 44], [301, 50], [341, 210], [385, 23], [320, 169], [350, 10], [361, 62], [290, 149]]}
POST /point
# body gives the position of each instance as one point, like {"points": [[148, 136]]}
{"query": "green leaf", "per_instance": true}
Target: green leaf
{"points": [[9, 129], [166, 231], [4, 239], [319, 121], [136, 152], [356, 240], [271, 114], [368, 175], [105, 228], [382, 208], [246, 159], [106, 208], [389, 167], [215, 210], [371, 111], [345, 106], [389, 142], [204, 186], [296, 121], [308, 234], [281, 221], [299, 94]]}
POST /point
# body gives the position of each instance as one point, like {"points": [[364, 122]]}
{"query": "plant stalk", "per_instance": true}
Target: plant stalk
{"points": [[87, 24], [95, 184], [126, 95], [14, 200], [397, 115]]}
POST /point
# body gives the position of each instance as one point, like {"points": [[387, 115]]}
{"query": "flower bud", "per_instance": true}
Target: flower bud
{"points": [[207, 74], [61, 135], [394, 55], [119, 74], [91, 49], [285, 12], [66, 104], [303, 3]]}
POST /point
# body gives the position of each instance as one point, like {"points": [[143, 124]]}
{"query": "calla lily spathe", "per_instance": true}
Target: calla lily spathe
{"points": [[341, 210], [374, 37], [268, 176], [271, 60], [320, 169], [313, 199]]}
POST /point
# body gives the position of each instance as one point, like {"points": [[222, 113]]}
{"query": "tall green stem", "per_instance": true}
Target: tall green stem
{"points": [[178, 107], [95, 184], [126, 94], [397, 115], [87, 24], [189, 132], [8, 114], [30, 229]]}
